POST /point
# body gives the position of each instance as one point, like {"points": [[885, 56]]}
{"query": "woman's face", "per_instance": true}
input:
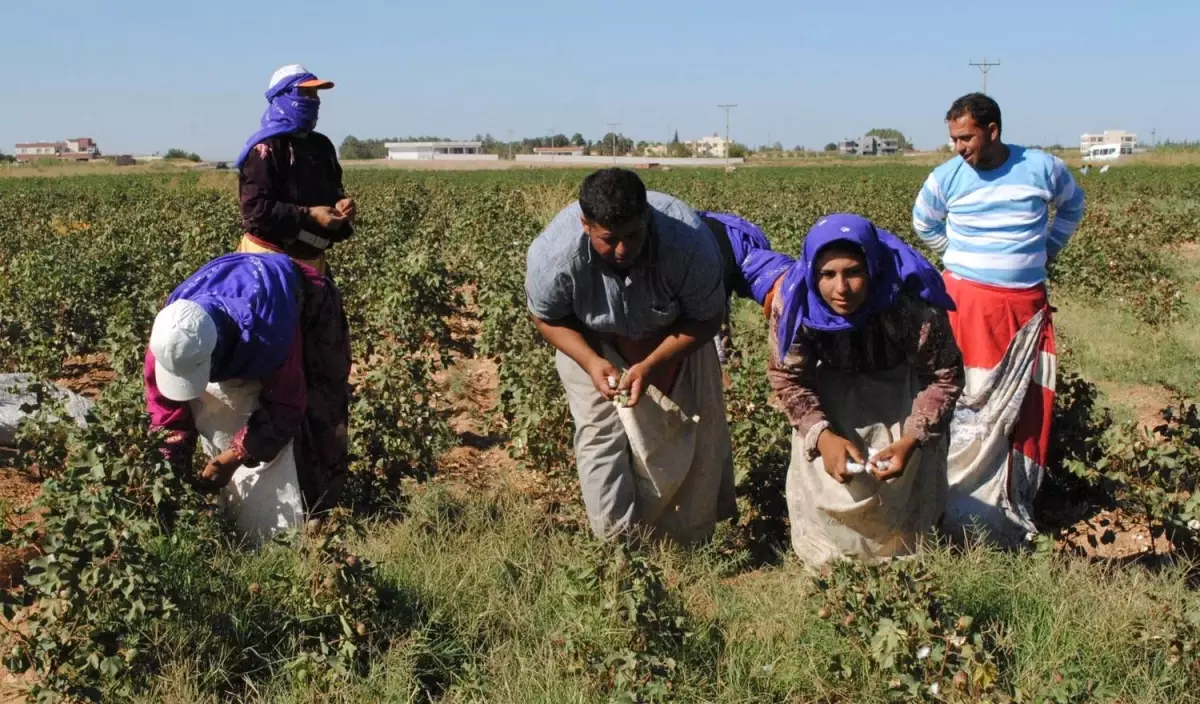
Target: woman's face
{"points": [[842, 279]]}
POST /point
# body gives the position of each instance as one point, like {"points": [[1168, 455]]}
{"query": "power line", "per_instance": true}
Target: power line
{"points": [[728, 144], [984, 67]]}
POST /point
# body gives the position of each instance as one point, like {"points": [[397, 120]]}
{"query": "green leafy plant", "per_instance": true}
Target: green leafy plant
{"points": [[901, 622]]}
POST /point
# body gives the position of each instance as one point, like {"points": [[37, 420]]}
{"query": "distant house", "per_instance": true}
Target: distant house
{"points": [[434, 151], [77, 149], [559, 151], [869, 145], [714, 146], [878, 146], [1126, 140], [655, 150]]}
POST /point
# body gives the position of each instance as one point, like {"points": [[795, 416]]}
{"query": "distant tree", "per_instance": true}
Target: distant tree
{"points": [[945, 148], [888, 133], [6, 158], [351, 148], [739, 151], [678, 149], [605, 146], [831, 147], [181, 155], [489, 144], [577, 140], [675, 139], [560, 140]]}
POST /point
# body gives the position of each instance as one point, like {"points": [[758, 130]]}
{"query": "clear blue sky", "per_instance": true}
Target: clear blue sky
{"points": [[143, 76]]}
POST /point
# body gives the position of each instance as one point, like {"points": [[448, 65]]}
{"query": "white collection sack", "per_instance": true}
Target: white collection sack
{"points": [[264, 499]]}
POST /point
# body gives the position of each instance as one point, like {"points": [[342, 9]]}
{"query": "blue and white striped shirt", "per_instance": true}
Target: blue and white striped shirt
{"points": [[993, 226]]}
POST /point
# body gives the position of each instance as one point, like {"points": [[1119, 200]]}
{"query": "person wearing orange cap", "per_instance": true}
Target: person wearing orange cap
{"points": [[293, 202], [290, 181]]}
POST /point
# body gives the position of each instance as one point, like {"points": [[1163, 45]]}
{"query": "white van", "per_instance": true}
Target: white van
{"points": [[1103, 152]]}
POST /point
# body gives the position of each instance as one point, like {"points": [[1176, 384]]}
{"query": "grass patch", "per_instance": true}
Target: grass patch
{"points": [[492, 602], [1110, 347]]}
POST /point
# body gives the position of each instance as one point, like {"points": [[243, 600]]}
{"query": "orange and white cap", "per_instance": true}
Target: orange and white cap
{"points": [[295, 70]]}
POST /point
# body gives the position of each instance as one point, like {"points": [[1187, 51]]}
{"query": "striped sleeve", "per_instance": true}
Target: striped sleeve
{"points": [[1068, 204], [929, 215]]}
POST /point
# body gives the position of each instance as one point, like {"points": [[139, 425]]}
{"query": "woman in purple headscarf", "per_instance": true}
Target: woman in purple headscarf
{"points": [[867, 370], [258, 319], [290, 181], [751, 267], [293, 202]]}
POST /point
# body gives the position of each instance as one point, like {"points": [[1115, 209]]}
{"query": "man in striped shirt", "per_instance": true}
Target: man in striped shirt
{"points": [[988, 213]]}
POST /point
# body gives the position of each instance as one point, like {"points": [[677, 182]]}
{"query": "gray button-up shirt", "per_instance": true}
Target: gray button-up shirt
{"points": [[678, 275]]}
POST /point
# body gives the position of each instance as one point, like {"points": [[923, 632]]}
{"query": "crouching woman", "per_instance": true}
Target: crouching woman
{"points": [[867, 370], [237, 359]]}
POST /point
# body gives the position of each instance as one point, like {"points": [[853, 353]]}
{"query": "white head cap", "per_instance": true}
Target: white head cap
{"points": [[182, 341], [295, 70]]}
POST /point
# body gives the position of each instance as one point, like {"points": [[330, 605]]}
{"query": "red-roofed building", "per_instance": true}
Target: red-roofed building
{"points": [[77, 149]]}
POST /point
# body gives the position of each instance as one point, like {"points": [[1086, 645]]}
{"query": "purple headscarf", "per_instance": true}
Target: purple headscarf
{"points": [[255, 301], [287, 112], [893, 267], [760, 266]]}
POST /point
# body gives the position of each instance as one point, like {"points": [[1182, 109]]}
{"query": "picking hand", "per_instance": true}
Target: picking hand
{"points": [[635, 381], [326, 218], [891, 460], [602, 372], [219, 470], [835, 450], [348, 208]]}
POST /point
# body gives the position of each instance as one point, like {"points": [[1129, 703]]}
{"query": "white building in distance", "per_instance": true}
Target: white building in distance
{"points": [[437, 151], [714, 146], [1126, 140], [559, 151], [77, 149]]}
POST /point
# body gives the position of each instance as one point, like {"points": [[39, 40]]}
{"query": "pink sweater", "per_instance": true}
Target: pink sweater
{"points": [[282, 402]]}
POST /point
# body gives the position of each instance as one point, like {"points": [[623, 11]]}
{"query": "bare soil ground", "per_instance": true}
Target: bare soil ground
{"points": [[481, 461]]}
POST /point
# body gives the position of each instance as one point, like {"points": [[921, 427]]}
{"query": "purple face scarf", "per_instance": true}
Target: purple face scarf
{"points": [[255, 301], [893, 267], [760, 266], [287, 112]]}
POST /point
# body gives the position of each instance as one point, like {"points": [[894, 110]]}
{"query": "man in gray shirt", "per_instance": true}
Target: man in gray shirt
{"points": [[627, 286]]}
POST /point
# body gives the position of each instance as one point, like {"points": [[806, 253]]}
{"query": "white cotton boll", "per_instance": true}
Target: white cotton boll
{"points": [[923, 652], [612, 382], [855, 468]]}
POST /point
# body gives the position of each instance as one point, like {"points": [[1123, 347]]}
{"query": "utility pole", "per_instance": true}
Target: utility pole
{"points": [[1154, 136], [613, 132], [510, 141], [728, 144], [984, 67], [550, 141]]}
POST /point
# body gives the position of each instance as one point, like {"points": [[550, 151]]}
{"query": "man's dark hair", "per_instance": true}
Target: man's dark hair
{"points": [[982, 109], [612, 197]]}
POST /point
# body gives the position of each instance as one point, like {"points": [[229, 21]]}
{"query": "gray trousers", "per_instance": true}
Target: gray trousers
{"points": [[606, 474]]}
